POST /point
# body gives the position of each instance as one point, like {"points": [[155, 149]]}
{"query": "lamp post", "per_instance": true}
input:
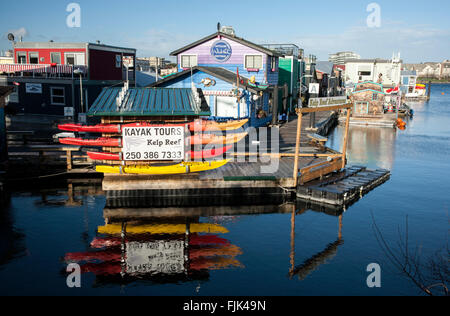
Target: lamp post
{"points": [[78, 71]]}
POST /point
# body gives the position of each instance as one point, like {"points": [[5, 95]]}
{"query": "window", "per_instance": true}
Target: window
{"points": [[75, 59], [57, 96], [375, 97], [273, 63], [118, 61], [55, 58], [34, 58], [365, 73], [21, 58], [253, 62], [188, 61]]}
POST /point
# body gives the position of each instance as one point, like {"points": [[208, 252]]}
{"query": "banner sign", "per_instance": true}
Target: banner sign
{"points": [[321, 102], [33, 88], [314, 88], [153, 143]]}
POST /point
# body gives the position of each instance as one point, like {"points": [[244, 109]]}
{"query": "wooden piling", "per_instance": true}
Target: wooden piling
{"points": [[297, 146], [344, 149]]}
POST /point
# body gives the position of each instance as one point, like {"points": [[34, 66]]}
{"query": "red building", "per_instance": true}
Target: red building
{"points": [[46, 75]]}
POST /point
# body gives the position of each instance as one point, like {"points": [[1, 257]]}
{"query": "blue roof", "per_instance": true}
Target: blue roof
{"points": [[149, 102]]}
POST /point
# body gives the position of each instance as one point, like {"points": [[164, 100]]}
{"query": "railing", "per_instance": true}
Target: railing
{"points": [[42, 70]]}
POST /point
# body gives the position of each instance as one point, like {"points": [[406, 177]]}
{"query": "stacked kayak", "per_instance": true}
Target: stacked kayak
{"points": [[181, 168], [199, 139], [204, 154], [196, 126]]}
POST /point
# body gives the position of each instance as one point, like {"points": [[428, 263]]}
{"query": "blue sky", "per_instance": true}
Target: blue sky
{"points": [[420, 30]]}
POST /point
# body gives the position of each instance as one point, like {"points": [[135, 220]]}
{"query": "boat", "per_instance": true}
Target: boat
{"points": [[203, 154], [203, 126], [99, 142], [182, 168]]}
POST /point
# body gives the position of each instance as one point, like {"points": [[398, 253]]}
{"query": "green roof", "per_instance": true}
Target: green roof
{"points": [[149, 102]]}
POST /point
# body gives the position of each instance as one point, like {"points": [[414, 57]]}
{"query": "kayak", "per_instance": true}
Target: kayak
{"points": [[202, 126], [182, 168], [200, 139], [204, 154], [211, 139], [99, 142]]}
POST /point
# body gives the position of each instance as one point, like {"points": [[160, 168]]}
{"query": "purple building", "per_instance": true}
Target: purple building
{"points": [[212, 64]]}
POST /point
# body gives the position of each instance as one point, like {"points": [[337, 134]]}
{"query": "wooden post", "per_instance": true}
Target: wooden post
{"points": [[297, 146], [275, 106], [344, 149], [429, 90], [69, 160]]}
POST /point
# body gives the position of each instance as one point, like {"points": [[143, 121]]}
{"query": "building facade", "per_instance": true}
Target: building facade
{"points": [[341, 58], [47, 76], [368, 98], [236, 76]]}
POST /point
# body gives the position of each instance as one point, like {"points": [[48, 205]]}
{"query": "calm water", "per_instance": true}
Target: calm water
{"points": [[261, 254]]}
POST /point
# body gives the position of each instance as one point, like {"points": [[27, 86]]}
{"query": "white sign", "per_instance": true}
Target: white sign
{"points": [[159, 256], [314, 88], [69, 111], [153, 143], [318, 102], [33, 88]]}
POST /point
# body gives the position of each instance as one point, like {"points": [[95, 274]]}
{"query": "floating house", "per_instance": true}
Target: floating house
{"points": [[46, 76], [236, 76], [368, 98]]}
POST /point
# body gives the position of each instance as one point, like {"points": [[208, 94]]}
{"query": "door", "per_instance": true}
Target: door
{"points": [[226, 107]]}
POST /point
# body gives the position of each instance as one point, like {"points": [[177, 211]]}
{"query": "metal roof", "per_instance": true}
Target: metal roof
{"points": [[149, 102], [230, 37]]}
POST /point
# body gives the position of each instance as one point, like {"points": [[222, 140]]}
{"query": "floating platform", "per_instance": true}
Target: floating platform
{"points": [[388, 120], [344, 187]]}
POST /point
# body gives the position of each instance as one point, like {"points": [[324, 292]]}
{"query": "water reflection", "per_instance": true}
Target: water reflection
{"points": [[368, 146]]}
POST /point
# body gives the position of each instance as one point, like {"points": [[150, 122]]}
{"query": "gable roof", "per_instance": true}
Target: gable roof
{"points": [[220, 73], [230, 37]]}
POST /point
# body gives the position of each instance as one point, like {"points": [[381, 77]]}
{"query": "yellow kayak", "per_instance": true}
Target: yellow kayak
{"points": [[226, 126], [184, 167], [176, 229]]}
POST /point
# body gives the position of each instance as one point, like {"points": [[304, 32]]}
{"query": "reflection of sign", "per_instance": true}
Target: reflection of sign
{"points": [[221, 51], [155, 257], [33, 88], [314, 88], [153, 143], [68, 111], [318, 102]]}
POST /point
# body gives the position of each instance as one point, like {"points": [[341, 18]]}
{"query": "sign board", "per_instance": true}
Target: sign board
{"points": [[221, 51], [320, 102], [128, 61], [161, 256], [153, 143], [33, 88], [314, 88], [69, 111]]}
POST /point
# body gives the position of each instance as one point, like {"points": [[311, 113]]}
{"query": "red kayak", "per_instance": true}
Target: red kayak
{"points": [[99, 142], [204, 154], [196, 126]]}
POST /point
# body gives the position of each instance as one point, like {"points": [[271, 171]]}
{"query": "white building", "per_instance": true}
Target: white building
{"points": [[386, 72], [341, 57]]}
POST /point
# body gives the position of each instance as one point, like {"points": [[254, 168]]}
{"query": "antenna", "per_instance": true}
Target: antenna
{"points": [[218, 27]]}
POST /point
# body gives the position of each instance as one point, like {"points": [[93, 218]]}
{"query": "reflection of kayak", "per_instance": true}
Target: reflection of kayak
{"points": [[204, 154], [202, 125], [116, 229], [200, 139], [99, 142], [194, 240], [184, 167]]}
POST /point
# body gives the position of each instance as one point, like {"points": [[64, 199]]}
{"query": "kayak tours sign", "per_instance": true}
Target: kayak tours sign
{"points": [[153, 143]]}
